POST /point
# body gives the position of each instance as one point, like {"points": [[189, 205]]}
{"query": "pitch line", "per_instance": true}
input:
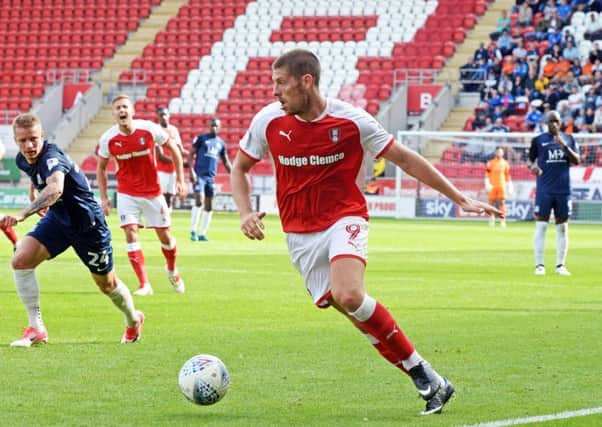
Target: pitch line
{"points": [[540, 418]]}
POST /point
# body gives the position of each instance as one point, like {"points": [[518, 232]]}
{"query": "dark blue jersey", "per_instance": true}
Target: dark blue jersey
{"points": [[554, 162], [76, 209], [208, 148]]}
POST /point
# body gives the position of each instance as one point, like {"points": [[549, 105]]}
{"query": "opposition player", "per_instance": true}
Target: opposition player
{"points": [[206, 149], [318, 146], [550, 156], [9, 232], [165, 164], [73, 218], [498, 183], [132, 143]]}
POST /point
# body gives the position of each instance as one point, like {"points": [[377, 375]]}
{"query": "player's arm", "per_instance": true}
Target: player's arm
{"points": [[250, 221], [191, 158], [177, 160], [571, 154], [53, 191], [417, 166], [226, 161], [532, 160], [101, 179]]}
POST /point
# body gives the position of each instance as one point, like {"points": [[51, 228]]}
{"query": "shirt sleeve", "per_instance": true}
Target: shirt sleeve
{"points": [[159, 134], [254, 142], [374, 137], [52, 162], [533, 150]]}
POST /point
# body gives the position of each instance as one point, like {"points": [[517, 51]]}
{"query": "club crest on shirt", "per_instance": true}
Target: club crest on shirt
{"points": [[335, 135], [141, 140]]}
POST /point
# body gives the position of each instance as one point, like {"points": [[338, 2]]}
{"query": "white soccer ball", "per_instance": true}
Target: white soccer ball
{"points": [[204, 379]]}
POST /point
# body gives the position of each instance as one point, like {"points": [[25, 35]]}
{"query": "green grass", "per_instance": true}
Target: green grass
{"points": [[514, 344]]}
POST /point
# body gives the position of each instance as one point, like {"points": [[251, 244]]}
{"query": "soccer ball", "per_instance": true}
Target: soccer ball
{"points": [[204, 379]]}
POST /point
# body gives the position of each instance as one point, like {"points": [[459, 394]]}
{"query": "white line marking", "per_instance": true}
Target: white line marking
{"points": [[540, 418]]}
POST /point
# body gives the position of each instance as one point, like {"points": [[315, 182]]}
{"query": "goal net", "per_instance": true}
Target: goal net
{"points": [[462, 156]]}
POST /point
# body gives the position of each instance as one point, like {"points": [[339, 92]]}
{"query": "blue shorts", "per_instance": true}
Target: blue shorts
{"points": [[92, 246], [206, 184], [545, 203]]}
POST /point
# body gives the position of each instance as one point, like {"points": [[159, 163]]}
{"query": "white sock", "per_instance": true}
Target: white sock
{"points": [[365, 310], [122, 298], [29, 292], [414, 359], [194, 218], [562, 242], [539, 241], [205, 221]]}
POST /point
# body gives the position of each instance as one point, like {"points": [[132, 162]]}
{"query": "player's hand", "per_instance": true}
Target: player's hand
{"points": [[11, 220], [510, 188], [559, 140], [106, 206], [476, 206], [182, 190], [488, 186], [252, 225]]}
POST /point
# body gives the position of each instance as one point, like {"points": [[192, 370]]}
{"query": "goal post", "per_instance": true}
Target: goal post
{"points": [[462, 156]]}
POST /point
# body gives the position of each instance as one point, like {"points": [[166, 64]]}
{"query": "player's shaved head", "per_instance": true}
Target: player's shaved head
{"points": [[299, 62], [553, 116]]}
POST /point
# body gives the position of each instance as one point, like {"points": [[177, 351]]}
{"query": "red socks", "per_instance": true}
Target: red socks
{"points": [[137, 260], [10, 233]]}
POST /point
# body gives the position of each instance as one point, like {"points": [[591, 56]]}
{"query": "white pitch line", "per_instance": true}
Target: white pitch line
{"points": [[540, 418]]}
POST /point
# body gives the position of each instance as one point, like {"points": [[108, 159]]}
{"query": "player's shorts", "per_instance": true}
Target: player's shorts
{"points": [[92, 246], [545, 203], [154, 209], [206, 184], [168, 182], [497, 193], [312, 253]]}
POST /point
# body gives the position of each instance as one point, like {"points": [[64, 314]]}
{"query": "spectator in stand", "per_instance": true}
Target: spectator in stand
{"points": [[579, 123], [595, 6], [592, 27], [505, 83], [570, 51], [519, 52], [518, 86], [589, 100], [555, 51], [588, 120], [525, 15], [502, 23], [498, 113], [507, 102], [595, 55], [565, 11], [576, 69], [504, 43], [494, 100], [534, 116], [521, 69], [580, 5], [568, 126], [530, 80], [598, 119], [554, 36], [165, 165], [467, 76], [575, 100], [564, 110], [568, 36], [480, 120], [499, 126], [549, 66], [481, 53]]}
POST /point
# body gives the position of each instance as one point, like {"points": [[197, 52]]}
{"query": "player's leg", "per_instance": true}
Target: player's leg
{"points": [[347, 254], [542, 216], [95, 250], [562, 212], [195, 215], [502, 207], [130, 218], [158, 217], [45, 241], [207, 209], [9, 232]]}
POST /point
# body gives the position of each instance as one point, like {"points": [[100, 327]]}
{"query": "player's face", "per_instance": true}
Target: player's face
{"points": [[554, 124], [163, 118], [293, 97], [123, 112], [30, 141]]}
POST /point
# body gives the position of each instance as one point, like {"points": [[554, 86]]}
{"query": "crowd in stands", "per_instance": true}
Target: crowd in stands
{"points": [[544, 55]]}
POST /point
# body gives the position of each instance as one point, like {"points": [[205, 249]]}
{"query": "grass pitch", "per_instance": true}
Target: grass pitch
{"points": [[514, 345]]}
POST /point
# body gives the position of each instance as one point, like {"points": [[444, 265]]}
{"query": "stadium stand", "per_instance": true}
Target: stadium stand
{"points": [[45, 40], [224, 69]]}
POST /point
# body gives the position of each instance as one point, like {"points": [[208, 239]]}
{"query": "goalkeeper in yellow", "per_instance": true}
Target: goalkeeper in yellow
{"points": [[498, 184]]}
